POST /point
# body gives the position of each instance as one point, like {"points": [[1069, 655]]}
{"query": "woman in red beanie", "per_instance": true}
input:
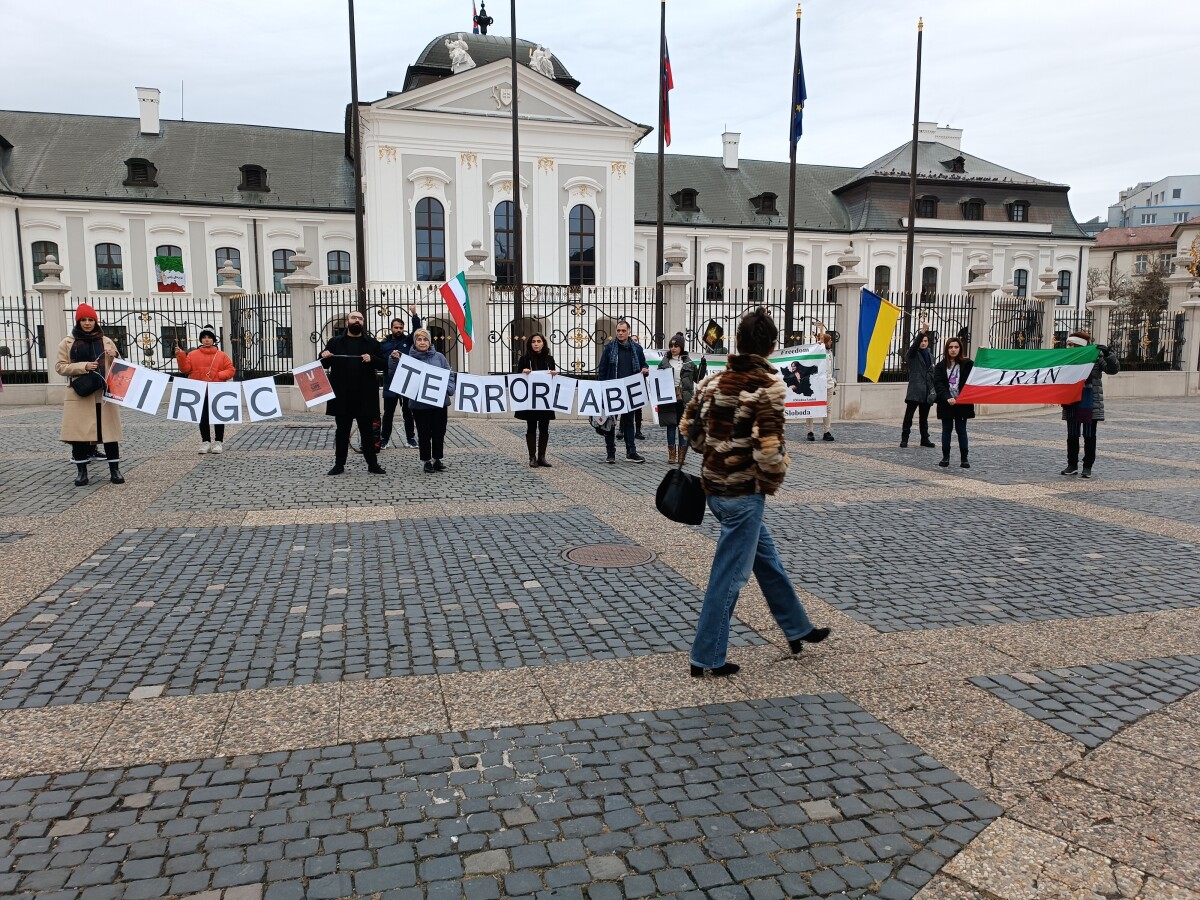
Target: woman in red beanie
{"points": [[207, 363], [87, 419]]}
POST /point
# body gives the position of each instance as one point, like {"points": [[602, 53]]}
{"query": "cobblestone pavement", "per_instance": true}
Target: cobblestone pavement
{"points": [[234, 678]]}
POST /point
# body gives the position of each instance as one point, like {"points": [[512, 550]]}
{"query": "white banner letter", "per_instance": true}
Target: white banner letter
{"points": [[225, 403], [262, 399], [187, 399]]}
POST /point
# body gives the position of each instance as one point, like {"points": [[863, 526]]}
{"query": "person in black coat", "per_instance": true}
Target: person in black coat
{"points": [[921, 393], [397, 344], [949, 376], [537, 424], [353, 359], [1081, 417]]}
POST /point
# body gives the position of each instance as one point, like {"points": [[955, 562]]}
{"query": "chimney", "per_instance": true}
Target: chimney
{"points": [[729, 156], [148, 110], [931, 131]]}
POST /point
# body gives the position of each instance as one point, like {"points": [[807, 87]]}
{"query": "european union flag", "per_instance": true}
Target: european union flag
{"points": [[800, 96]]}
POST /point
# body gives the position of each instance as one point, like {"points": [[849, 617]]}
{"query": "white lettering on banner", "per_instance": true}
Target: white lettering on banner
{"points": [[406, 381], [187, 399], [480, 394], [262, 399], [519, 390], [147, 389], [562, 397], [591, 398], [434, 386], [225, 403], [662, 387]]}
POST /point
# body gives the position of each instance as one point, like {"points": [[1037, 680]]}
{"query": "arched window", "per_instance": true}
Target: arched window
{"points": [[1064, 287], [281, 265], [109, 276], [431, 240], [798, 277], [637, 273], [582, 245], [756, 281], [929, 276], [338, 264], [883, 280], [42, 249], [506, 264], [229, 256], [715, 281], [168, 250], [1021, 280]]}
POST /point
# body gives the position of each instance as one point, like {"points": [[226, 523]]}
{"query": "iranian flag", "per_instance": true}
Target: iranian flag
{"points": [[454, 292], [169, 271], [1029, 376]]}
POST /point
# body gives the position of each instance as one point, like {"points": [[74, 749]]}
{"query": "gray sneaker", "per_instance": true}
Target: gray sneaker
{"points": [[635, 457]]}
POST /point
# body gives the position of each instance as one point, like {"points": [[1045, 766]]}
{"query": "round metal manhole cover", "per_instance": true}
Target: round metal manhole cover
{"points": [[609, 556]]}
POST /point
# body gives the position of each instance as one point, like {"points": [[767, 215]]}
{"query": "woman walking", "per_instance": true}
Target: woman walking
{"points": [[85, 357], [537, 424], [430, 419], [1082, 417], [922, 393], [736, 420], [208, 364], [949, 376], [684, 374], [826, 339]]}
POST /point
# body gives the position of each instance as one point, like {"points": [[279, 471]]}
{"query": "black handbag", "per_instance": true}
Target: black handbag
{"points": [[680, 497], [89, 382]]}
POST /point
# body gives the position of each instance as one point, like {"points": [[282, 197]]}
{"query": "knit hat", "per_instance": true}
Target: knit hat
{"points": [[208, 332], [677, 338], [85, 311]]}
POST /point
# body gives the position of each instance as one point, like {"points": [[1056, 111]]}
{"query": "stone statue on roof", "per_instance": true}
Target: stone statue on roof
{"points": [[540, 62], [460, 60]]}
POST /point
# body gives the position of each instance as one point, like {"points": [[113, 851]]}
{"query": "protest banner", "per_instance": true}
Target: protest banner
{"points": [[481, 394], [562, 394], [420, 381], [262, 399], [591, 399], [660, 384], [624, 395], [519, 393], [313, 382], [225, 403], [804, 373], [118, 380], [146, 390], [187, 400]]}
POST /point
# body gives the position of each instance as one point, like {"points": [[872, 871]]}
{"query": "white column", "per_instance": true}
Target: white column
{"points": [[54, 313]]}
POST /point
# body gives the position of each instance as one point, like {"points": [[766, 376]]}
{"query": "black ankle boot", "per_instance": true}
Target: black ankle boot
{"points": [[724, 671], [813, 637], [945, 460], [114, 474], [904, 439], [81, 479]]}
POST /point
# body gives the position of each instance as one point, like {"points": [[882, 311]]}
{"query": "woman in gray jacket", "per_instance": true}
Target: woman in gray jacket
{"points": [[430, 419], [1083, 416], [685, 376], [922, 393]]}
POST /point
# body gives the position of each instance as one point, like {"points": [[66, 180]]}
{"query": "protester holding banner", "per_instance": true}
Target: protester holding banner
{"points": [[85, 357], [537, 423], [431, 419], [922, 393], [684, 374], [398, 343], [622, 357], [352, 360], [825, 340], [949, 376], [637, 413], [1084, 415], [208, 364], [736, 420]]}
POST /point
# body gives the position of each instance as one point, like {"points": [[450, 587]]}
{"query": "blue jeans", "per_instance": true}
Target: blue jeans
{"points": [[744, 546], [959, 426], [626, 427]]}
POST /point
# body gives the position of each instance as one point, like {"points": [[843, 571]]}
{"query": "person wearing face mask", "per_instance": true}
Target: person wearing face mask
{"points": [[208, 364], [922, 393], [430, 419], [352, 359], [87, 419], [397, 344], [950, 376]]}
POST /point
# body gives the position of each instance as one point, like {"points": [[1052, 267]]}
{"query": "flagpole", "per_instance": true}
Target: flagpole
{"points": [[789, 301], [360, 240], [912, 198], [659, 234], [518, 255]]}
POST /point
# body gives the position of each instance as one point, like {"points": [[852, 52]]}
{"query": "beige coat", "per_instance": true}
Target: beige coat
{"points": [[79, 413]]}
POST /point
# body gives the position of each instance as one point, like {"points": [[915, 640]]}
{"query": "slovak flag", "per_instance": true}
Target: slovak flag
{"points": [[474, 14]]}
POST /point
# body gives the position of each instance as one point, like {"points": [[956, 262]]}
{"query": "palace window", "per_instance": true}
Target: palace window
{"points": [[715, 281], [764, 204], [229, 256], [140, 173], [927, 207], [1018, 211], [929, 279], [1064, 287], [254, 178], [168, 250], [109, 275], [281, 265], [41, 250], [972, 210], [798, 278], [756, 281], [431, 240], [506, 264], [883, 280], [581, 240], [338, 264], [1021, 280], [686, 200]]}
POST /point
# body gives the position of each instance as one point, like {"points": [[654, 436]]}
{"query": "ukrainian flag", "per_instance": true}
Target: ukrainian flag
{"points": [[876, 323]]}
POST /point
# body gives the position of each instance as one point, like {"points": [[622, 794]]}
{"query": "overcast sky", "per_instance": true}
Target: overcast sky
{"points": [[1093, 94]]}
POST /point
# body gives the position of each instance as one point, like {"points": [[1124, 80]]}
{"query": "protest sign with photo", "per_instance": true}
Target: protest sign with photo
{"points": [[803, 369], [313, 382]]}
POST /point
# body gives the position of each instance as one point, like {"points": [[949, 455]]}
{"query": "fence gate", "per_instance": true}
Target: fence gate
{"points": [[260, 335], [1017, 324]]}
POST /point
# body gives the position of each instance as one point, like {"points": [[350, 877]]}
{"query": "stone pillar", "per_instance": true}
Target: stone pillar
{"points": [[480, 285], [226, 291], [982, 291], [847, 404], [675, 281], [54, 314], [1191, 346], [1101, 309], [1178, 283], [1049, 295], [301, 286]]}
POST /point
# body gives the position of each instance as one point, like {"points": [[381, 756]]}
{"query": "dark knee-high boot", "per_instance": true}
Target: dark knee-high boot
{"points": [[81, 478], [531, 445], [114, 473], [543, 442]]}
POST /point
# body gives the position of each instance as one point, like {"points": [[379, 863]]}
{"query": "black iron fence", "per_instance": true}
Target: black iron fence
{"points": [[577, 321], [148, 330], [1068, 320], [260, 338], [713, 315], [1147, 341], [946, 316], [1016, 323], [23, 357]]}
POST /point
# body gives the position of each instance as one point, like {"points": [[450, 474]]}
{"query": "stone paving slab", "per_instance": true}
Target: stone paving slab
{"points": [[975, 561], [317, 433], [189, 611], [11, 537], [45, 486], [137, 439], [255, 482], [1180, 504], [1093, 703], [792, 797]]}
